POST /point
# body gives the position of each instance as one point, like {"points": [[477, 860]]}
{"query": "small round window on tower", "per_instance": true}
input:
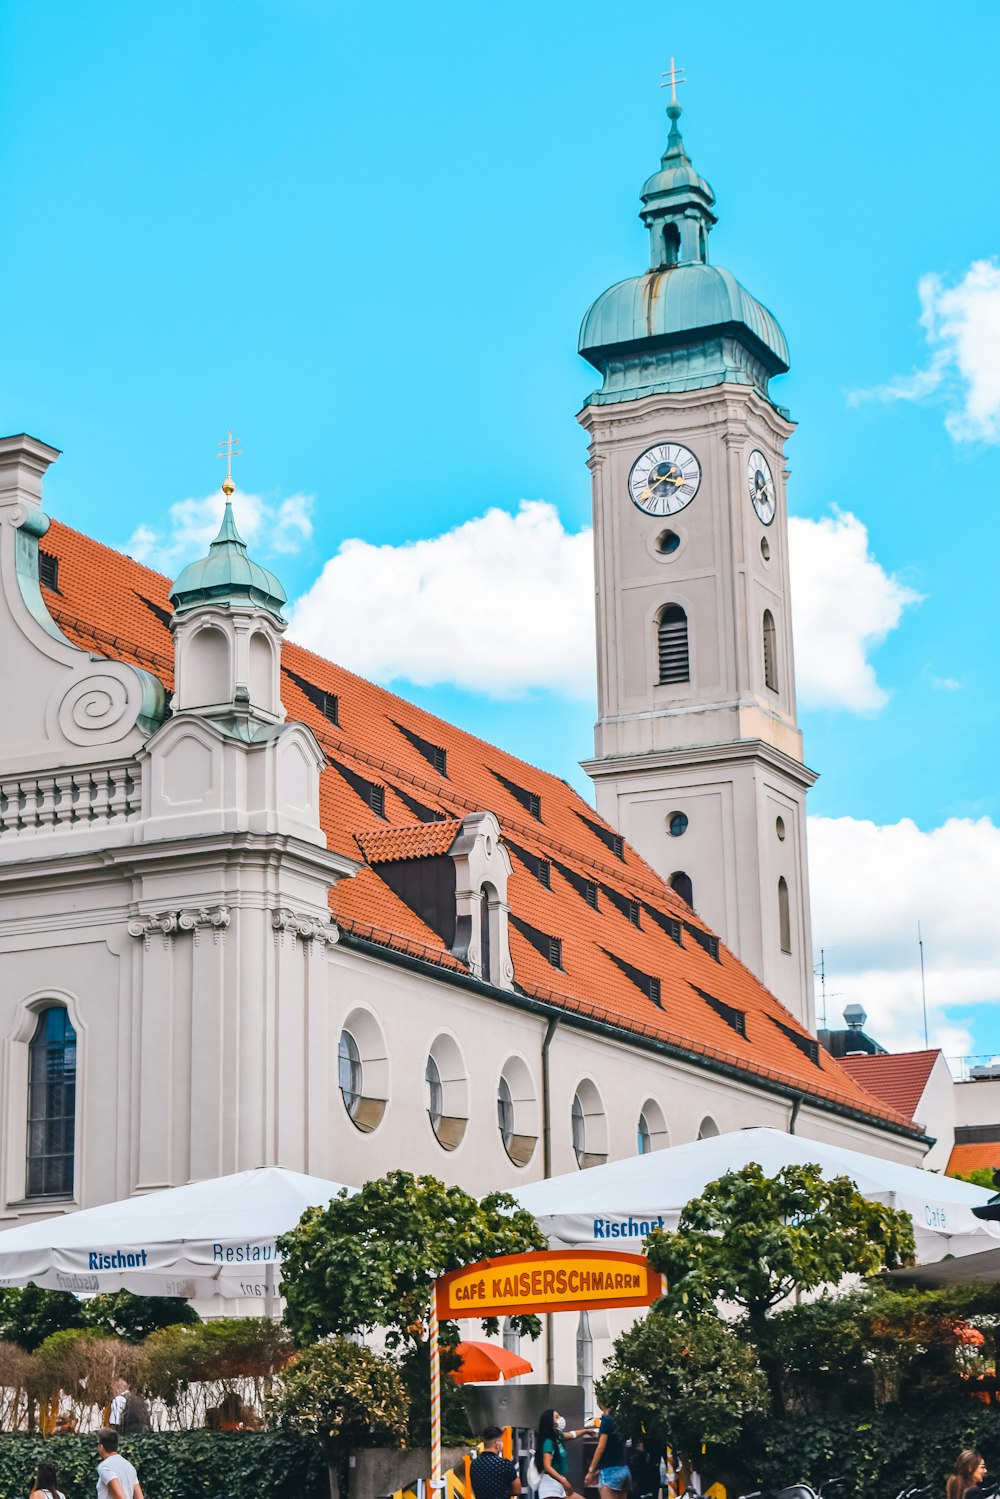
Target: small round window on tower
{"points": [[677, 824], [779, 828], [765, 549], [667, 542]]}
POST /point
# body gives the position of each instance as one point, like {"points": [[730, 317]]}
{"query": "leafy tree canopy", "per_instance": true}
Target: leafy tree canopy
{"points": [[344, 1393], [133, 1318], [753, 1240], [28, 1315], [687, 1382], [370, 1260], [980, 1176]]}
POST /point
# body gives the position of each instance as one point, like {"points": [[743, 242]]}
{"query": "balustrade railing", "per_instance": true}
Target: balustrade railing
{"points": [[70, 798]]}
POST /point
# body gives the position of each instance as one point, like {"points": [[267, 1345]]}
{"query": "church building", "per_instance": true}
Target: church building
{"points": [[256, 910]]}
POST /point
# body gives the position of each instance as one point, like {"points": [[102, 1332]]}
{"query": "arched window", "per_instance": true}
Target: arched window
{"points": [[784, 916], [681, 882], [486, 894], [770, 652], [51, 1106], [707, 1129], [671, 244], [672, 644]]}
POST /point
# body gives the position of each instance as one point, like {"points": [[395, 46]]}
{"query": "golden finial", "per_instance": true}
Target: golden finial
{"points": [[671, 79], [229, 449]]}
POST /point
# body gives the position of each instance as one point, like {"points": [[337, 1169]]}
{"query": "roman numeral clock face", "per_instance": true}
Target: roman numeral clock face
{"points": [[664, 479]]}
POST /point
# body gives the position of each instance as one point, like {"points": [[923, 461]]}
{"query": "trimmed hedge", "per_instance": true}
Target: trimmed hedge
{"points": [[175, 1464], [879, 1454]]}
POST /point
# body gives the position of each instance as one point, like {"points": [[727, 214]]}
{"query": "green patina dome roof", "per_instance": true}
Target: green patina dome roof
{"points": [[228, 575], [679, 302], [683, 324]]}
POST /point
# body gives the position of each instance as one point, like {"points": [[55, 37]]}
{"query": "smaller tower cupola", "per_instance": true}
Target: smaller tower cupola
{"points": [[227, 628], [677, 206]]}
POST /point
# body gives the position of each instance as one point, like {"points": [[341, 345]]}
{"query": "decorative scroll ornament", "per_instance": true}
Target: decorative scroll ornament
{"points": [[214, 919], [99, 708], [309, 928]]}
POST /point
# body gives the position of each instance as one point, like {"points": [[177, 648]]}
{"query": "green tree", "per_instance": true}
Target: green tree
{"points": [[370, 1261], [689, 1382], [28, 1315], [980, 1176], [135, 1317], [755, 1240], [346, 1395]]}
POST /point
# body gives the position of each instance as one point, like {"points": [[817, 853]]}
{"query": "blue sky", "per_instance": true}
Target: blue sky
{"points": [[364, 236]]}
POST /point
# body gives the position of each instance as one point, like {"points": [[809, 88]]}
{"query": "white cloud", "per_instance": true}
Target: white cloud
{"points": [[962, 327], [870, 886], [184, 536], [844, 604], [502, 604]]}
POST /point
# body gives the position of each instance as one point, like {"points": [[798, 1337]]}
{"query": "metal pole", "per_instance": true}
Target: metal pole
{"points": [[923, 985], [435, 1392]]}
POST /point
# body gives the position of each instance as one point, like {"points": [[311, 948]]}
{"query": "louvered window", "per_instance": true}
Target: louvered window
{"points": [[613, 841], [672, 641], [48, 570], [770, 652]]}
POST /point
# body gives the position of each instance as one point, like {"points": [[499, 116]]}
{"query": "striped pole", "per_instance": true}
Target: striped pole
{"points": [[435, 1391], [671, 1475]]}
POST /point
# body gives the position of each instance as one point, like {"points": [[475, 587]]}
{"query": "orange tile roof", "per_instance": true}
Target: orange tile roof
{"points": [[418, 842], [966, 1158], [898, 1078], [110, 603]]}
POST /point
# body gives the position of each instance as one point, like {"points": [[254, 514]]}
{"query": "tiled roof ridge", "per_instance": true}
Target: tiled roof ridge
{"points": [[890, 1056], [438, 957]]}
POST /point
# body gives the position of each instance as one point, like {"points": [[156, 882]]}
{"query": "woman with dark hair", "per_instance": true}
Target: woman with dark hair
{"points": [[551, 1457], [967, 1474], [45, 1484]]}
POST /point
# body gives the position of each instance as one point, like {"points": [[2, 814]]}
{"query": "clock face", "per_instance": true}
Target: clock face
{"points": [[760, 483], [664, 479]]}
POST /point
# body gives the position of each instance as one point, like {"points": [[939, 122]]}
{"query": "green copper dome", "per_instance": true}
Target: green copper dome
{"points": [[227, 575], [683, 324]]}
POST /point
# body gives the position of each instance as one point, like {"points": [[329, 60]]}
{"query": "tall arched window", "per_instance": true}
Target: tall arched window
{"points": [[681, 882], [486, 894], [672, 644], [51, 1106], [784, 916], [671, 244], [770, 652]]}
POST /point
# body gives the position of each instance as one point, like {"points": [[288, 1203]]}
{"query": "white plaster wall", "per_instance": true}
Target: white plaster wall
{"points": [[978, 1102]]}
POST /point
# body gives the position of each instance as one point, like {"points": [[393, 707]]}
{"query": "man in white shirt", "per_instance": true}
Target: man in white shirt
{"points": [[116, 1477]]}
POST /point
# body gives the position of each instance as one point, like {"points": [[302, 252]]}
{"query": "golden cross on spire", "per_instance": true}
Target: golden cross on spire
{"points": [[229, 449], [671, 79]]}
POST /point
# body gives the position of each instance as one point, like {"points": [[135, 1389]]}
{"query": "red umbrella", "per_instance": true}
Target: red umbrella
{"points": [[483, 1361]]}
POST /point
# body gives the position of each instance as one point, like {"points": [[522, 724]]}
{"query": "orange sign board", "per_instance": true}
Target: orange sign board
{"points": [[551, 1280]]}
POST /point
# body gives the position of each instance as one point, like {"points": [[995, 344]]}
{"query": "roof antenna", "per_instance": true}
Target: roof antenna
{"points": [[821, 970], [923, 984]]}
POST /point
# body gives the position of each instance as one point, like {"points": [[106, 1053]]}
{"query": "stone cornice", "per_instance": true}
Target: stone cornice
{"points": [[738, 752]]}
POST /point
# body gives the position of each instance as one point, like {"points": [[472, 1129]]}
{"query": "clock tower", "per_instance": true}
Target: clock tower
{"points": [[698, 754]]}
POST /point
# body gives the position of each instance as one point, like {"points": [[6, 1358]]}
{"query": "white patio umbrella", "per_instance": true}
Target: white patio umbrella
{"points": [[615, 1206], [210, 1238]]}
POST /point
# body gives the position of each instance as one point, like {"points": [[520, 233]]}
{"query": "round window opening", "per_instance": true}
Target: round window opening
{"points": [[779, 828], [350, 1073], [362, 1070], [667, 542], [677, 824], [765, 549]]}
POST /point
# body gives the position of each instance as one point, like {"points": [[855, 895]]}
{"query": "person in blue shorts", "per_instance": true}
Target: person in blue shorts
{"points": [[608, 1466]]}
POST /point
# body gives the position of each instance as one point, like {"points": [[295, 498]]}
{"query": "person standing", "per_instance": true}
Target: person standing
{"points": [[967, 1475], [46, 1484], [492, 1475], [608, 1465], [129, 1412], [551, 1457], [116, 1477]]}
